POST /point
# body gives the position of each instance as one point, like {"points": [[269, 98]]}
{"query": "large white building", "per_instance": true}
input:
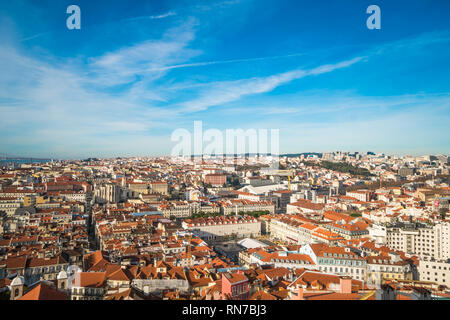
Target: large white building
{"points": [[217, 227], [437, 271], [291, 230], [242, 205], [423, 240], [175, 209], [337, 260]]}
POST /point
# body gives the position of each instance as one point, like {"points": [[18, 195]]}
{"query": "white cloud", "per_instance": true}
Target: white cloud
{"points": [[125, 64], [157, 17], [224, 92]]}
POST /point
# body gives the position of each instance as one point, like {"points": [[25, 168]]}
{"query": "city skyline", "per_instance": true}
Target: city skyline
{"points": [[135, 73]]}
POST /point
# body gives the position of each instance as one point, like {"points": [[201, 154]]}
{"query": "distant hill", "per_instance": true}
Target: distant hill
{"points": [[306, 154]]}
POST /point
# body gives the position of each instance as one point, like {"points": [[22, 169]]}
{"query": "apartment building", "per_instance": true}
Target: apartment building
{"points": [[215, 228], [230, 207], [336, 260], [305, 206], [139, 187], [215, 179], [160, 187], [391, 267], [176, 209], [442, 233], [351, 230], [10, 205], [361, 195], [234, 286], [437, 271], [423, 240], [44, 268], [89, 286], [74, 196], [282, 199], [277, 258], [291, 230]]}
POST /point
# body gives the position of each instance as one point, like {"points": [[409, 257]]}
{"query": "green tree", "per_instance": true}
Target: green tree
{"points": [[443, 213]]}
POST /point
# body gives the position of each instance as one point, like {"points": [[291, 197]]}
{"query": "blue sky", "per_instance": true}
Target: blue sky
{"points": [[137, 70]]}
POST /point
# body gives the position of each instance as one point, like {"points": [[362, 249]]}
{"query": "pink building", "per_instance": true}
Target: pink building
{"points": [[215, 179], [235, 286]]}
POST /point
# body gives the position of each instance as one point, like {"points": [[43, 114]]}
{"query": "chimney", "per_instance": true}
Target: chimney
{"points": [[299, 295], [346, 285]]}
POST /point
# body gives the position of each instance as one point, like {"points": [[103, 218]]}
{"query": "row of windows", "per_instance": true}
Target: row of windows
{"points": [[434, 267], [342, 262], [45, 269], [341, 270], [387, 269], [239, 289], [435, 279], [336, 255], [87, 291], [428, 272], [290, 261]]}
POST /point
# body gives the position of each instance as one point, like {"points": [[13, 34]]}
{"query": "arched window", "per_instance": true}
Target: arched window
{"points": [[16, 292]]}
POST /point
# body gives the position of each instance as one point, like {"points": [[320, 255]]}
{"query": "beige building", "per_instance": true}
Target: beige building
{"points": [[107, 193], [382, 268], [160, 187], [437, 271], [425, 241], [217, 227], [176, 209], [290, 230], [9, 205], [230, 207], [139, 187], [89, 286]]}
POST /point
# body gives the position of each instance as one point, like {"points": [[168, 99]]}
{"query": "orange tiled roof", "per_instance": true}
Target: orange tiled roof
{"points": [[44, 292]]}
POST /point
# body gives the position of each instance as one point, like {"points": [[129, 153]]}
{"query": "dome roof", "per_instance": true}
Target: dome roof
{"points": [[62, 275], [18, 281]]}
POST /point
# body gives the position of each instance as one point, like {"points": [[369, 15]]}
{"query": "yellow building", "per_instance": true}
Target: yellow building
{"points": [[383, 268]]}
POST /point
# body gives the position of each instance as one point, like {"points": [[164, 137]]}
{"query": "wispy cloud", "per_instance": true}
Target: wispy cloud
{"points": [[124, 65], [38, 35], [325, 102], [151, 17], [416, 41], [161, 16], [128, 99], [218, 62], [225, 92]]}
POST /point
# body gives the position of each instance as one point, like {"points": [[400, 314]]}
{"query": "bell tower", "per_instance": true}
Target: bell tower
{"points": [[17, 288]]}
